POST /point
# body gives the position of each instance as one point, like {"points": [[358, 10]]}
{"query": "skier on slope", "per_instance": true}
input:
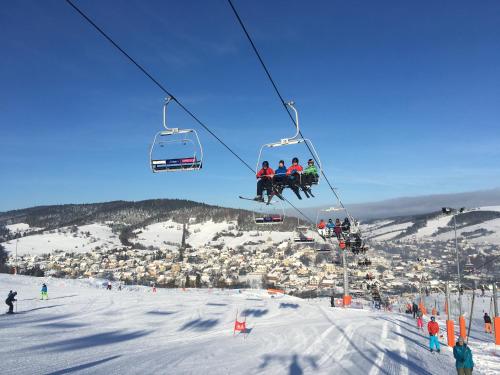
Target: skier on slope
{"points": [[487, 323], [420, 321], [463, 358], [414, 310], [9, 301], [44, 292], [433, 328]]}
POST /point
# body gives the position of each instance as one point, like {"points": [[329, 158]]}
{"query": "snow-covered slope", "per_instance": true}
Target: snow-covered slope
{"points": [[69, 239], [480, 225], [84, 329]]}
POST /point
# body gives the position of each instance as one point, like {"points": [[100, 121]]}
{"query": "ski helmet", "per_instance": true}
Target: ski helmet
{"points": [[265, 164], [295, 160]]}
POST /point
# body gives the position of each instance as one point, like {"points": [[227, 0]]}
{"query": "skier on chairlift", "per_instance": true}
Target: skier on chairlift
{"points": [[338, 229], [309, 176], [346, 225], [279, 180], [330, 227], [294, 176], [321, 228], [265, 181]]}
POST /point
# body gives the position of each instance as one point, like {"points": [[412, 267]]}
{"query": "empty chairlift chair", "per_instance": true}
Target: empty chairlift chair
{"points": [[175, 149]]}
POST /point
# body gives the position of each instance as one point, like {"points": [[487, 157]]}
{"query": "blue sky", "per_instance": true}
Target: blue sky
{"points": [[400, 98]]}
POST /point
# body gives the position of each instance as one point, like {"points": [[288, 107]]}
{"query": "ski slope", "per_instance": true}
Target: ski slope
{"points": [[85, 329]]}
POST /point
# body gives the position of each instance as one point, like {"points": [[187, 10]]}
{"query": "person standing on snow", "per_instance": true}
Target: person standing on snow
{"points": [[463, 358], [44, 292], [414, 310], [433, 328], [9, 301], [487, 323]]}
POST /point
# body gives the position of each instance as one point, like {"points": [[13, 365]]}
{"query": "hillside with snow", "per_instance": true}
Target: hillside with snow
{"points": [[479, 225], [85, 329]]}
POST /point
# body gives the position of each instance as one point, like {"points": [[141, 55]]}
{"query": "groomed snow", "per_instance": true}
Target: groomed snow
{"points": [[84, 329]]}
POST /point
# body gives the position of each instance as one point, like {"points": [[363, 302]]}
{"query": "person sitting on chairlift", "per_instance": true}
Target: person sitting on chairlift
{"points": [[346, 225], [321, 228], [294, 175], [330, 226], [338, 228], [310, 175], [265, 178], [279, 180]]}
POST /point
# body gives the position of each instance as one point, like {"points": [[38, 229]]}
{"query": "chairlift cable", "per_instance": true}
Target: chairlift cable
{"points": [[162, 88], [155, 81], [283, 101]]}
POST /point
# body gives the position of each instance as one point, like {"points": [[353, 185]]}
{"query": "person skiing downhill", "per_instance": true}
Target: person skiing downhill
{"points": [[9, 301], [44, 292], [463, 358], [433, 328], [265, 181]]}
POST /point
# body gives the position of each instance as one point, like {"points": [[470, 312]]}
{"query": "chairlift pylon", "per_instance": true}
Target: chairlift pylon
{"points": [[175, 149]]}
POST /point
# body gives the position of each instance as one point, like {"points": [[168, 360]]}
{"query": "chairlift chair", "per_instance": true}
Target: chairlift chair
{"points": [[269, 213], [301, 234], [175, 149], [294, 140]]}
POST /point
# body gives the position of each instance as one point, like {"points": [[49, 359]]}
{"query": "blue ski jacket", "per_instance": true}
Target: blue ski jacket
{"points": [[463, 356], [281, 171], [44, 289]]}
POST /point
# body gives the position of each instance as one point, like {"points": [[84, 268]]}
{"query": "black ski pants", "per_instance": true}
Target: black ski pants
{"points": [[264, 184]]}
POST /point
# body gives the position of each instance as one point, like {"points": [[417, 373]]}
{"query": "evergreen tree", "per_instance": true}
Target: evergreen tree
{"points": [[187, 284], [198, 281], [3, 259]]}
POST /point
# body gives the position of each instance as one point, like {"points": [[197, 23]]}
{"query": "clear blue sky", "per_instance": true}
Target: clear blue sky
{"points": [[400, 97]]}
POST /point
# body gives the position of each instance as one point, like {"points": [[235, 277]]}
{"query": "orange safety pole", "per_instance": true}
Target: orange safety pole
{"points": [[450, 331], [461, 321], [346, 300], [497, 330]]}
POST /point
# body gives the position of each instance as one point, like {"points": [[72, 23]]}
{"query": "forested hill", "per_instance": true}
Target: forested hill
{"points": [[134, 214]]}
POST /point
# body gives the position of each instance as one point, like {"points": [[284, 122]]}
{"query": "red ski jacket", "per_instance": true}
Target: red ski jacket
{"points": [[321, 225], [293, 169], [433, 328], [265, 173]]}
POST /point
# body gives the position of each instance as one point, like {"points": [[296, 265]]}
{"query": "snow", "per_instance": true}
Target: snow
{"points": [[20, 227], [84, 329], [65, 240], [389, 231]]}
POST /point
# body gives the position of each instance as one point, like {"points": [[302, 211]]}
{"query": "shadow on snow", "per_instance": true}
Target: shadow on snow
{"points": [[255, 312], [84, 366], [289, 305], [292, 362], [99, 339], [200, 324]]}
